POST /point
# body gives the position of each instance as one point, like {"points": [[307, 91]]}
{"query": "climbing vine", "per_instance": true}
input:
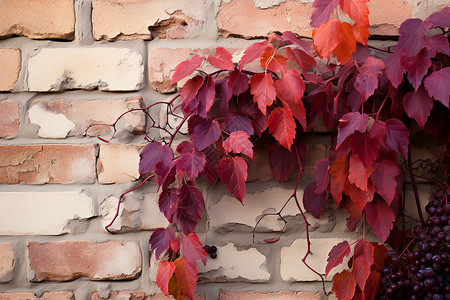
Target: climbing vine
{"points": [[366, 96]]}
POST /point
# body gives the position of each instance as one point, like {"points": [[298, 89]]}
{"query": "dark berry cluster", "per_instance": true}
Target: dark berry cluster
{"points": [[212, 250], [423, 273]]}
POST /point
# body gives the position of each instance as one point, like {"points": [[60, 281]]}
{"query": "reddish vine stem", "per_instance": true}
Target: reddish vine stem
{"points": [[413, 181]]}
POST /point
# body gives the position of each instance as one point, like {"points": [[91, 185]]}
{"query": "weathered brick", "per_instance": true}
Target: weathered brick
{"points": [[118, 162], [233, 264], [293, 269], [282, 295], [136, 213], [150, 19], [44, 19], [68, 260], [109, 69], [31, 296], [62, 118], [43, 213], [9, 118], [136, 295], [39, 164], [10, 64], [387, 21], [7, 262]]}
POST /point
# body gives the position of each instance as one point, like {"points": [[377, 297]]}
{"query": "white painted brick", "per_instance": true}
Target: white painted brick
{"points": [[42, 213], [118, 162], [293, 269], [109, 69], [232, 264]]}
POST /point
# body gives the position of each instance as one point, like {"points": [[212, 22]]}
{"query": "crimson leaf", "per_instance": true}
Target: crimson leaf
{"points": [[192, 249], [365, 147], [321, 175], [417, 66], [168, 201], [152, 154], [367, 79], [189, 92], [397, 136], [380, 218], [338, 177], [222, 59], [438, 87], [233, 172], [253, 52], [186, 68], [238, 121], [212, 161], [383, 178], [238, 82], [238, 142], [412, 37], [165, 272], [186, 274], [344, 285], [189, 209], [263, 91], [203, 132], [378, 132], [160, 240], [363, 262], [349, 123], [282, 126], [301, 58], [322, 11], [337, 255], [282, 161], [418, 105], [206, 96], [191, 163], [358, 174], [313, 202]]}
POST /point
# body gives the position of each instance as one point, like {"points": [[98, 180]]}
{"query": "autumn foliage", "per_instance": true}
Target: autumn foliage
{"points": [[368, 101]]}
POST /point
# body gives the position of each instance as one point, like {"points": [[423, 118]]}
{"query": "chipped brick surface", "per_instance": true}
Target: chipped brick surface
{"points": [[136, 295], [9, 118], [10, 64], [6, 262], [282, 295], [31, 296]]}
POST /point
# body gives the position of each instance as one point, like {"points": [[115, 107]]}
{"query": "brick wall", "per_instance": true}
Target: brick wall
{"points": [[68, 64]]}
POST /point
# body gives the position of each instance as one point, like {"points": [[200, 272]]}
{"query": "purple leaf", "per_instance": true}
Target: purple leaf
{"points": [[437, 85], [238, 82], [367, 79], [191, 163], [282, 161], [397, 136], [418, 105], [349, 123], [321, 175], [160, 240], [203, 133], [168, 201], [190, 208], [313, 202], [206, 96], [238, 121], [322, 11], [153, 154]]}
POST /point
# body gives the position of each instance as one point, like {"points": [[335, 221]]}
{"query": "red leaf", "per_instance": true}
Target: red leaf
{"points": [[359, 197], [238, 121], [357, 10], [263, 91], [365, 147], [327, 37], [189, 209], [313, 202], [153, 154], [203, 133], [189, 93], [212, 161], [321, 175], [233, 172], [253, 52], [440, 44], [412, 37], [322, 11], [349, 123], [192, 249], [282, 161], [290, 89], [305, 46], [259, 122], [186, 274], [165, 272], [418, 105], [358, 174], [238, 82], [272, 61], [378, 132], [224, 93], [417, 66], [383, 178], [222, 59], [344, 285], [336, 256], [380, 218], [238, 142], [168, 201], [367, 79], [394, 70], [372, 286], [186, 68], [361, 33], [379, 256], [282, 126], [206, 96], [397, 136], [160, 240], [301, 58], [438, 87], [338, 177], [363, 261], [191, 163]]}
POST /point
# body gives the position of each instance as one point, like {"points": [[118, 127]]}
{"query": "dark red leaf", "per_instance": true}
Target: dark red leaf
{"points": [[259, 122], [372, 285], [186, 68], [394, 69], [438, 87], [313, 202], [212, 161], [321, 175], [191, 163], [160, 240], [440, 44], [245, 103], [263, 91], [344, 285], [338, 177], [238, 82], [304, 45], [189, 209], [192, 249], [336, 256], [379, 256], [383, 178], [322, 11], [363, 262], [165, 179], [233, 172], [282, 126], [367, 79], [238, 121], [378, 132], [365, 147], [418, 105], [168, 201], [301, 58], [206, 96], [349, 123], [186, 274], [359, 197], [253, 52], [412, 37], [358, 174], [282, 161], [185, 147], [417, 66], [224, 93], [238, 142], [165, 272], [380, 218], [189, 92], [152, 154], [397, 136], [222, 59], [203, 132], [272, 61]]}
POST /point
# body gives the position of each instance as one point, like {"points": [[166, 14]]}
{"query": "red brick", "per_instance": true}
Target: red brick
{"points": [[39, 164], [9, 118], [147, 19], [10, 64], [31, 296], [6, 262], [43, 19], [68, 260], [387, 21], [283, 295], [136, 295]]}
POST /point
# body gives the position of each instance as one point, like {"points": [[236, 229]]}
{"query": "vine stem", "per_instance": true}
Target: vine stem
{"points": [[413, 181]]}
